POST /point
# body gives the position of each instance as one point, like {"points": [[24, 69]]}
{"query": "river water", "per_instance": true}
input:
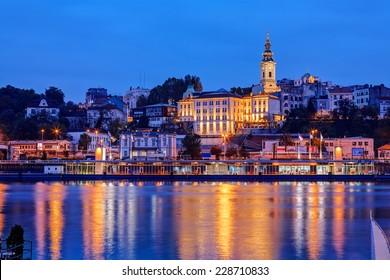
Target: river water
{"points": [[196, 220]]}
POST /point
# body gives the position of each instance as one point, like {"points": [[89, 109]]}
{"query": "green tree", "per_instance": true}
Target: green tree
{"points": [[286, 140], [56, 95], [115, 127], [216, 150], [84, 141], [231, 152], [191, 145], [173, 88], [243, 152], [15, 241], [142, 101]]}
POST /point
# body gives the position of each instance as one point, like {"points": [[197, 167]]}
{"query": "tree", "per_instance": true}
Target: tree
{"points": [[286, 140], [243, 152], [142, 101], [231, 152], [15, 241], [191, 145], [84, 141], [173, 88], [143, 122], [115, 127], [56, 95], [216, 150]]}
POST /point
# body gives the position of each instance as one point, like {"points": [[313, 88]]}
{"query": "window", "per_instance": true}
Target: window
{"points": [[146, 142], [360, 143], [331, 144], [365, 143], [204, 128], [205, 103], [217, 102], [224, 127], [218, 110], [217, 126], [270, 74], [353, 143], [211, 103], [204, 111], [197, 103], [263, 74]]}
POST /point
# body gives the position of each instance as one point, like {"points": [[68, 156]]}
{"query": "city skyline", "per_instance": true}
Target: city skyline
{"points": [[75, 46]]}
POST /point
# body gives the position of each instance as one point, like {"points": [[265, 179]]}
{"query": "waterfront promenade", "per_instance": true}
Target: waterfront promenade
{"points": [[190, 170]]}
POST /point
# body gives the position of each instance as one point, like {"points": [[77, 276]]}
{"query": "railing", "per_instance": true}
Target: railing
{"points": [[19, 252]]}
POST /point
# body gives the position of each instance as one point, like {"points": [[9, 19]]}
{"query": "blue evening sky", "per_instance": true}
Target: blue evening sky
{"points": [[75, 45]]}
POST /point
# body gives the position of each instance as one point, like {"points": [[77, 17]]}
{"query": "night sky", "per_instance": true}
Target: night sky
{"points": [[75, 45]]}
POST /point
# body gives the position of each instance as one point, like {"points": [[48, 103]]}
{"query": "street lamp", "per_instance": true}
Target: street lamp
{"points": [[42, 131], [56, 132], [224, 145], [312, 134]]}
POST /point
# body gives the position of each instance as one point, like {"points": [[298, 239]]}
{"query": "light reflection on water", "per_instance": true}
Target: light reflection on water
{"points": [[201, 220]]}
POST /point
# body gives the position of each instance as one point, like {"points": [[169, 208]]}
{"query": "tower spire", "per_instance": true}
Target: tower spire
{"points": [[267, 54]]}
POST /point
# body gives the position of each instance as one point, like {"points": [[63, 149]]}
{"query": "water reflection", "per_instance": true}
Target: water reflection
{"points": [[315, 221], [202, 220], [93, 198], [246, 223], [3, 188], [338, 219], [56, 219]]}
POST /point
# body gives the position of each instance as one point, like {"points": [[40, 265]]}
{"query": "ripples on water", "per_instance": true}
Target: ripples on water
{"points": [[195, 220]]}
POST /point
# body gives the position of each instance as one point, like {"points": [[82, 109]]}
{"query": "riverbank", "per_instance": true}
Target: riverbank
{"points": [[37, 177]]}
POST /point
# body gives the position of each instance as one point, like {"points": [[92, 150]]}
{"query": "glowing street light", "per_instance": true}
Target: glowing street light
{"points": [[56, 132], [42, 131], [224, 136]]}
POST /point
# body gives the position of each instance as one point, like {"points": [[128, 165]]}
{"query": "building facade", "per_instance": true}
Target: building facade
{"points": [[35, 149], [220, 112], [157, 114], [42, 108], [339, 93], [133, 94], [147, 144]]}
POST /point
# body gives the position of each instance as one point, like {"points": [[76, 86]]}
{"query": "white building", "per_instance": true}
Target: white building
{"points": [[98, 139], [384, 106], [147, 144], [351, 148], [132, 95], [384, 152], [107, 113], [361, 95], [42, 107], [338, 93]]}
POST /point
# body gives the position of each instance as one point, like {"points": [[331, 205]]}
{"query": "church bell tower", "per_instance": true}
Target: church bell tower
{"points": [[268, 69]]}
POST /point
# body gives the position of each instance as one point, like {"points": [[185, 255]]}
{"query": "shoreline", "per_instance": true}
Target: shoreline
{"points": [[37, 177]]}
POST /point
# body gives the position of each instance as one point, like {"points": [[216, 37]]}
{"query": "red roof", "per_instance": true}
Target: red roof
{"points": [[385, 147]]}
